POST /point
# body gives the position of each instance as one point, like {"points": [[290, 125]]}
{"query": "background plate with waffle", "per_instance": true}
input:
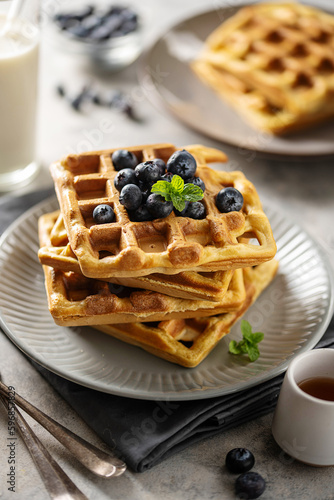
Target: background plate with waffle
{"points": [[165, 270], [274, 62], [207, 87]]}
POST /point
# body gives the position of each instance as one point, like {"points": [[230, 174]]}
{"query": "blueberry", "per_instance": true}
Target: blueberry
{"points": [[141, 214], [158, 206], [195, 210], [107, 29], [79, 31], [129, 15], [114, 10], [161, 164], [145, 191], [124, 177], [91, 23], [131, 197], [250, 485], [76, 102], [61, 90], [229, 200], [181, 214], [126, 28], [168, 176], [96, 98], [123, 159], [183, 164], [122, 103], [197, 181], [103, 214], [147, 172], [239, 460], [76, 16]]}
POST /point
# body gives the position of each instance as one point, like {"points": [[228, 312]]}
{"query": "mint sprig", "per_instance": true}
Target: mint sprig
{"points": [[178, 192], [248, 345]]}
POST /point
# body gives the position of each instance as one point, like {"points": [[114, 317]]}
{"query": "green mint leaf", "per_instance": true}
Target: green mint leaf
{"points": [[192, 193], [178, 202], [246, 329], [248, 345], [244, 346], [162, 188], [234, 347], [256, 337], [253, 352], [177, 192], [177, 184]]}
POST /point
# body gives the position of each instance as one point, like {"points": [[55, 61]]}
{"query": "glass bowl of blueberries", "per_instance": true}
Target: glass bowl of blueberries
{"points": [[109, 34]]}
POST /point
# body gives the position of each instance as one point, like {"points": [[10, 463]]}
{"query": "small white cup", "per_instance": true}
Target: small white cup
{"points": [[303, 425]]}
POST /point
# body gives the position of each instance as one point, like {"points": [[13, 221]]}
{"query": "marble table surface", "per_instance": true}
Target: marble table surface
{"points": [[301, 188]]}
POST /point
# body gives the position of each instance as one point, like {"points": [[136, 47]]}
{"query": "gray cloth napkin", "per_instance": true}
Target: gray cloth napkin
{"points": [[143, 433]]}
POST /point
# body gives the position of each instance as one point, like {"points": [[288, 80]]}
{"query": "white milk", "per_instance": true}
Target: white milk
{"points": [[18, 96]]}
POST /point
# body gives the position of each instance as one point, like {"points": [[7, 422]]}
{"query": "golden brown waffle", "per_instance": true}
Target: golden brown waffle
{"points": [[188, 342], [248, 101], [56, 252], [168, 246], [76, 300], [283, 54]]}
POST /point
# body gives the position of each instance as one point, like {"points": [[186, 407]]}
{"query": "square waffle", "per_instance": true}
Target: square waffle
{"points": [[187, 342], [76, 300], [282, 53], [171, 245], [248, 101], [56, 252]]}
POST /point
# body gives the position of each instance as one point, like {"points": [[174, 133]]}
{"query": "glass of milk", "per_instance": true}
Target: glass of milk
{"points": [[18, 96]]}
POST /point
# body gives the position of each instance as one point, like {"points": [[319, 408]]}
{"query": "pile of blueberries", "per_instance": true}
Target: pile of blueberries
{"points": [[134, 182], [90, 25], [249, 484]]}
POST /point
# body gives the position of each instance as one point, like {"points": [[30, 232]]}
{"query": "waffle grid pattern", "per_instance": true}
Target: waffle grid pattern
{"points": [[170, 245], [56, 252]]}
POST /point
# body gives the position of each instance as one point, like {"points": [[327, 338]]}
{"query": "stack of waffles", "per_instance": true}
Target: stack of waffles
{"points": [[173, 286], [274, 63]]}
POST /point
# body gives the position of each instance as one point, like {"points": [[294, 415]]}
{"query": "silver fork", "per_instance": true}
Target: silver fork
{"points": [[94, 459], [57, 483]]}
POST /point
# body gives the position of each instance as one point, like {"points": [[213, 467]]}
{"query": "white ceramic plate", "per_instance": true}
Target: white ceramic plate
{"points": [[293, 313], [168, 81]]}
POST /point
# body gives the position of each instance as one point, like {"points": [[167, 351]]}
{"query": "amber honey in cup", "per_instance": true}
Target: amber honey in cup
{"points": [[319, 387]]}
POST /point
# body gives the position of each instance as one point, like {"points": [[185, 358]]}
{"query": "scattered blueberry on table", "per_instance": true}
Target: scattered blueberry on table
{"points": [[87, 94], [239, 460], [250, 485]]}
